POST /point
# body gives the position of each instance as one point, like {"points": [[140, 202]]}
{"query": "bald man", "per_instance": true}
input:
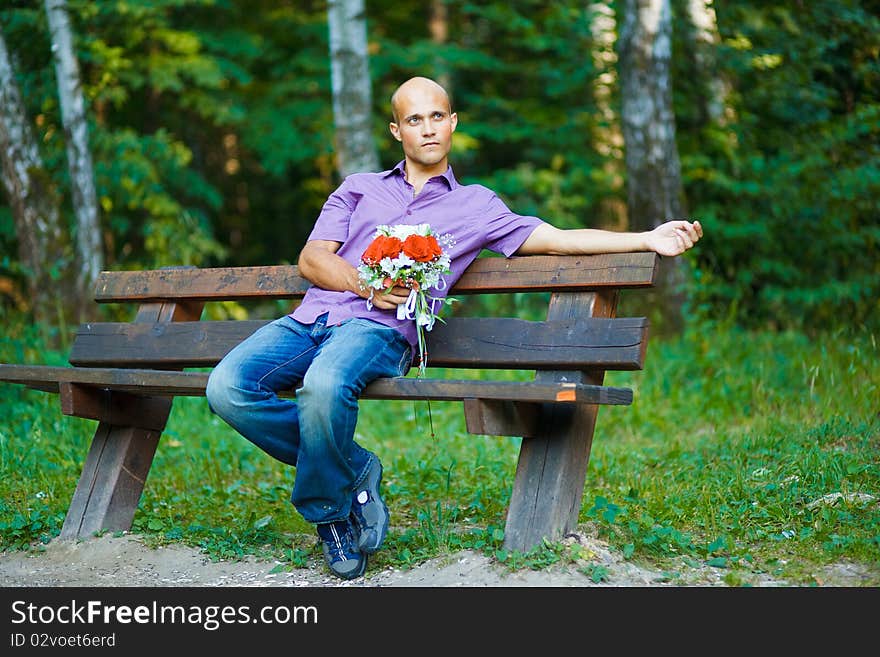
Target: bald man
{"points": [[335, 342]]}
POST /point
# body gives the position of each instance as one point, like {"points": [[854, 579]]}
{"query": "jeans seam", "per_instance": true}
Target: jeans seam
{"points": [[327, 522], [363, 475], [405, 358], [279, 366]]}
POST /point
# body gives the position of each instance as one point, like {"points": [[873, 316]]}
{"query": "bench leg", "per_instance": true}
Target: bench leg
{"points": [[112, 479], [124, 444], [550, 477], [552, 467]]}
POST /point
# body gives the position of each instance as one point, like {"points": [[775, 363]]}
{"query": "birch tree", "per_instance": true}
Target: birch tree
{"points": [[89, 253], [654, 188], [352, 91], [607, 136], [32, 199], [705, 39]]}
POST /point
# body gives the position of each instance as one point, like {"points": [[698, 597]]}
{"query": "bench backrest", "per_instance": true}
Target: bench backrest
{"points": [[565, 341]]}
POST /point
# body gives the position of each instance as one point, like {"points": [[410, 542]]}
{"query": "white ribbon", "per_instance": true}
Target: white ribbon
{"points": [[406, 310]]}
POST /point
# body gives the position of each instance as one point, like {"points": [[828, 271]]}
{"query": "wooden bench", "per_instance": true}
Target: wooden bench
{"points": [[126, 375]]}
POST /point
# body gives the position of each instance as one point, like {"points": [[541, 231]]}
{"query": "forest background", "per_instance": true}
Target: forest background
{"points": [[211, 130], [214, 136]]}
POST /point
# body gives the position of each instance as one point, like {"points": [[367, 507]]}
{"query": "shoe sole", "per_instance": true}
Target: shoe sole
{"points": [[353, 575], [381, 524]]}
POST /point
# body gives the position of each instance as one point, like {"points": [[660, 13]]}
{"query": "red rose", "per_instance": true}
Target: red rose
{"points": [[421, 248], [383, 246]]}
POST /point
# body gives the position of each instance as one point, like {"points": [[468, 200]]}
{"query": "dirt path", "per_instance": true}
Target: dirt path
{"points": [[126, 561]]}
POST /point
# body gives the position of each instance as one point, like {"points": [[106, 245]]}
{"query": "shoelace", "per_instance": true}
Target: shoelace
{"points": [[337, 543]]}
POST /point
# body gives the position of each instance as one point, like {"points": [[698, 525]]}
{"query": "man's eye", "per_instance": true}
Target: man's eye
{"points": [[439, 115], [413, 121]]}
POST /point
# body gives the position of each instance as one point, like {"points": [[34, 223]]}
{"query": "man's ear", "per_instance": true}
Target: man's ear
{"points": [[395, 130], [453, 120]]}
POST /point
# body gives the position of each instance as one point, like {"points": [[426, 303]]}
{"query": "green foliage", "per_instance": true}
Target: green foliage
{"points": [[212, 132], [787, 183]]}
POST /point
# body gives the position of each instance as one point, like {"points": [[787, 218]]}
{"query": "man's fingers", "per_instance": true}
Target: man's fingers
{"points": [[695, 230], [397, 294], [386, 303], [391, 299], [682, 234]]}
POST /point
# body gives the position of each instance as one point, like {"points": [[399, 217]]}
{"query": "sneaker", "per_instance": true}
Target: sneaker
{"points": [[339, 543], [369, 512]]}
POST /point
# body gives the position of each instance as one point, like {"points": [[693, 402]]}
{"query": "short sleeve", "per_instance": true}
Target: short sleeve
{"points": [[332, 223], [505, 230]]}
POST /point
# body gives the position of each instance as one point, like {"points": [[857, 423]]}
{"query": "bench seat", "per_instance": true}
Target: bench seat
{"points": [[163, 383]]}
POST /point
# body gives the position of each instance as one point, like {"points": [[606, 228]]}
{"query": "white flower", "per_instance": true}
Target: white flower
{"points": [[403, 260]]}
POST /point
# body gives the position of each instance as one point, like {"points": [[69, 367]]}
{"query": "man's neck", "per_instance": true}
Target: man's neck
{"points": [[417, 175]]}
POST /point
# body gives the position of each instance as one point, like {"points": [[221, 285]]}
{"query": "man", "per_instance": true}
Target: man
{"points": [[334, 343]]}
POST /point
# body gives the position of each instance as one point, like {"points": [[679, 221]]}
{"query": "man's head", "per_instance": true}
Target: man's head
{"points": [[423, 122]]}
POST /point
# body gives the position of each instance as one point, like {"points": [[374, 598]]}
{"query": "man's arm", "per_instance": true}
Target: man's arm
{"points": [[669, 239], [320, 265]]}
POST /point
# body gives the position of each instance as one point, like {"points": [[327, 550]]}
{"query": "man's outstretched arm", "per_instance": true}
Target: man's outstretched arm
{"points": [[669, 239]]}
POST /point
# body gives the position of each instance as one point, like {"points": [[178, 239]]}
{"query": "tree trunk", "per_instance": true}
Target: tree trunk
{"points": [[607, 137], [352, 92], [705, 38], [89, 253], [654, 189], [438, 26], [34, 202]]}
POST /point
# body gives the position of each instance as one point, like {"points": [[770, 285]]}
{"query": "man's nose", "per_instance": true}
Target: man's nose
{"points": [[428, 127]]}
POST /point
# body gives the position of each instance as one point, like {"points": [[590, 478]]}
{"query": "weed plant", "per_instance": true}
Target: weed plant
{"points": [[753, 452]]}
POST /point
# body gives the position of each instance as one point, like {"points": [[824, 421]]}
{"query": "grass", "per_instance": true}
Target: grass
{"points": [[753, 452]]}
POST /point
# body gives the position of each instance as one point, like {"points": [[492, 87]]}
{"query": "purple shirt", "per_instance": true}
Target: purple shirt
{"points": [[473, 214]]}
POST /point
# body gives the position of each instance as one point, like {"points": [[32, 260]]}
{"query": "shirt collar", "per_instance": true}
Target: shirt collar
{"points": [[400, 169]]}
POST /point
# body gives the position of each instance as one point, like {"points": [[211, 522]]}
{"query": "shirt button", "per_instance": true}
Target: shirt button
{"points": [[409, 211]]}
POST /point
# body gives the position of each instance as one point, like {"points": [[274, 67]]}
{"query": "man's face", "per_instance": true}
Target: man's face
{"points": [[424, 124]]}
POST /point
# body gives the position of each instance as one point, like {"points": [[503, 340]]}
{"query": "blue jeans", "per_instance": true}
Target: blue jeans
{"points": [[331, 365]]}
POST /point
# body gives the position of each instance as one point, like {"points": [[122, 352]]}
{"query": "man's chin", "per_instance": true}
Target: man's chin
{"points": [[429, 159]]}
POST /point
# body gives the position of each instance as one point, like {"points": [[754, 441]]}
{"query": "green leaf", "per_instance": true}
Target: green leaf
{"points": [[155, 524]]}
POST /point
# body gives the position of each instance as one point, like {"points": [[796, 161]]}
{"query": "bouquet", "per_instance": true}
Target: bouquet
{"points": [[415, 258]]}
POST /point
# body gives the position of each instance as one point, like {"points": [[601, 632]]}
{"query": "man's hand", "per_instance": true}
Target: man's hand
{"points": [[386, 300], [674, 237]]}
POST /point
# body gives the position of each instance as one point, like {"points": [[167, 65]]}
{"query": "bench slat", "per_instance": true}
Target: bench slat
{"points": [[508, 343], [172, 383], [485, 275], [469, 342]]}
